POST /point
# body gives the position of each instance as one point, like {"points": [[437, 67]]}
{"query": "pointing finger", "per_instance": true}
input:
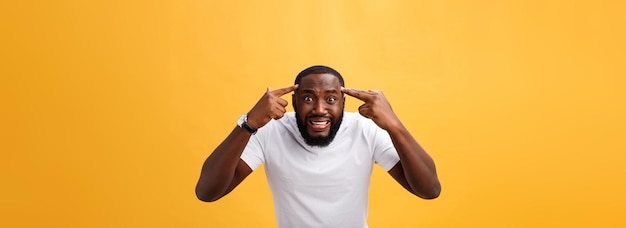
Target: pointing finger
{"points": [[286, 90], [358, 94], [282, 102]]}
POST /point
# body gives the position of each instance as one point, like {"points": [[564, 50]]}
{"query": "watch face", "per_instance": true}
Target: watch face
{"points": [[242, 119]]}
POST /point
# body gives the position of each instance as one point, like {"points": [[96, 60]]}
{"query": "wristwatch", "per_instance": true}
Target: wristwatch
{"points": [[243, 123]]}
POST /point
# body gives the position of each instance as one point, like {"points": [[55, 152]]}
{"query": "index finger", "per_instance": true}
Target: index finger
{"points": [[283, 91], [358, 94]]}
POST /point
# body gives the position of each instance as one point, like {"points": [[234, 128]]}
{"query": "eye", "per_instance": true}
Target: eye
{"points": [[308, 99], [331, 99]]}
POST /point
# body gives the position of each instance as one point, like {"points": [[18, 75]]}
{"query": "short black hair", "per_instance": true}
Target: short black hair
{"points": [[319, 69]]}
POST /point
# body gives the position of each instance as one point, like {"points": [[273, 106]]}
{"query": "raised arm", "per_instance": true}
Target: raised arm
{"points": [[416, 170], [223, 170]]}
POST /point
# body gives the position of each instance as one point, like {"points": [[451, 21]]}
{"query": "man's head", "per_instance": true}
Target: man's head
{"points": [[318, 103]]}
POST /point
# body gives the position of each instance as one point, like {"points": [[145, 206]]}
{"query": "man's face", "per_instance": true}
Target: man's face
{"points": [[318, 103]]}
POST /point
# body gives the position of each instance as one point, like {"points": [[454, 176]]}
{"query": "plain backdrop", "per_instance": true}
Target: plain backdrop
{"points": [[109, 108]]}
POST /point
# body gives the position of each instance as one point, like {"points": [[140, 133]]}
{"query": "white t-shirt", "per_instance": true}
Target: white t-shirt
{"points": [[320, 186]]}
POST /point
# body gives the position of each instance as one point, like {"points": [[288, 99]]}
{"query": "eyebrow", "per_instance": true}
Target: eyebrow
{"points": [[313, 91]]}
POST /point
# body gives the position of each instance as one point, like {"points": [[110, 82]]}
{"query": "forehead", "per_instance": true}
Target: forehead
{"points": [[313, 81]]}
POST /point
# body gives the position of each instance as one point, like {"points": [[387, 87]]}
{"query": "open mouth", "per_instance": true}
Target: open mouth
{"points": [[319, 125]]}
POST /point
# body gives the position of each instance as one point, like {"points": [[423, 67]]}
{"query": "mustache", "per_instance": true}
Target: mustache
{"points": [[319, 117]]}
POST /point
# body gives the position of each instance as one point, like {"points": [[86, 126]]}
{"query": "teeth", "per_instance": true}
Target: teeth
{"points": [[319, 122]]}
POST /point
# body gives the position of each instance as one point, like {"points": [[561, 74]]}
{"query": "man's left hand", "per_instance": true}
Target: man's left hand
{"points": [[376, 107]]}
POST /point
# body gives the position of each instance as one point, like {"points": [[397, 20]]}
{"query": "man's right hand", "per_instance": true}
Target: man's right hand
{"points": [[269, 107], [224, 169]]}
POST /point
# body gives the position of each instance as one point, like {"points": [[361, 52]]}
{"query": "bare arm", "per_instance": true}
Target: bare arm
{"points": [[416, 170], [223, 170]]}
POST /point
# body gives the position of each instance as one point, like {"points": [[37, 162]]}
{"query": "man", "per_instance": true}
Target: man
{"points": [[318, 160]]}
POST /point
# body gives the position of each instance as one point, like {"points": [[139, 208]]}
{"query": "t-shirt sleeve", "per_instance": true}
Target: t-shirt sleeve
{"points": [[385, 153], [253, 153]]}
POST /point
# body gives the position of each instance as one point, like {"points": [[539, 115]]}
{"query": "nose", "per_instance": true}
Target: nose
{"points": [[320, 108]]}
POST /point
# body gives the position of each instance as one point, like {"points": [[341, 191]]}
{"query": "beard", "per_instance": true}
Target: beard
{"points": [[320, 141]]}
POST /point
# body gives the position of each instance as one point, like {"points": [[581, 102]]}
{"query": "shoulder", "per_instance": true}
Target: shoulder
{"points": [[286, 123], [289, 119], [356, 119]]}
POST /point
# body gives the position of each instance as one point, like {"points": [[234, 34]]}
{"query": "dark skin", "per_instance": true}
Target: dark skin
{"points": [[318, 98]]}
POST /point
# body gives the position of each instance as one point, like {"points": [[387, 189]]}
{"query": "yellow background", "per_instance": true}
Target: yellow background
{"points": [[109, 108]]}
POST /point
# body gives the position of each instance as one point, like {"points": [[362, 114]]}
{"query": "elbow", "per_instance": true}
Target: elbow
{"points": [[431, 193], [206, 196], [430, 196]]}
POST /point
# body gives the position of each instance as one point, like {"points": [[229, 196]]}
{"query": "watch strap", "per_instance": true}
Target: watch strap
{"points": [[248, 128]]}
